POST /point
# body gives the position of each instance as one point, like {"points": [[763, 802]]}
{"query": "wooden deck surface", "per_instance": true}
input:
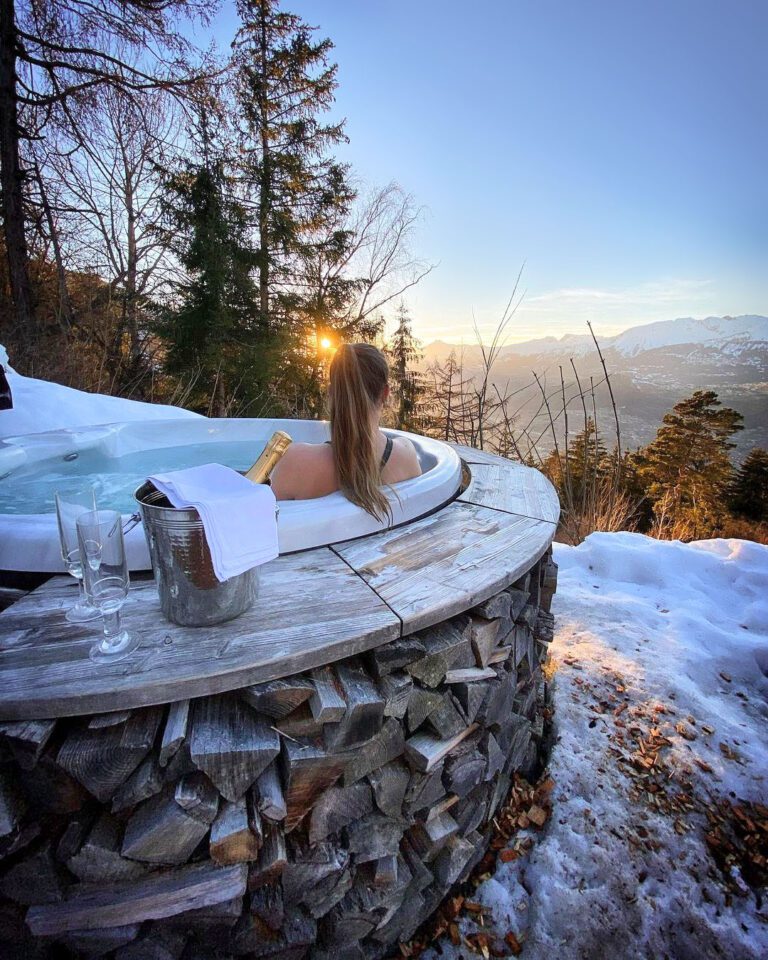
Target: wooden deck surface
{"points": [[315, 607]]}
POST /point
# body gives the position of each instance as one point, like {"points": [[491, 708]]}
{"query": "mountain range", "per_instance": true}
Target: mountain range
{"points": [[651, 368]]}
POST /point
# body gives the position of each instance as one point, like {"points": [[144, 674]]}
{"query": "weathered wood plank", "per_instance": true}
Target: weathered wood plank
{"points": [[103, 759], [445, 563], [326, 702], [230, 744], [154, 897], [45, 670], [175, 731], [513, 488]]}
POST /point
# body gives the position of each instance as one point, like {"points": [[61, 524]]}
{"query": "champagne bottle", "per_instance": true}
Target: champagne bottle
{"points": [[275, 448]]}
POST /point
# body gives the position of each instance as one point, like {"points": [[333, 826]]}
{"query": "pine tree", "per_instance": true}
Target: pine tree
{"points": [[588, 460], [687, 469], [749, 492], [403, 351], [210, 329], [284, 81]]}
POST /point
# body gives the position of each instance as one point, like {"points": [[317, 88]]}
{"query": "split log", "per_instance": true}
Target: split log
{"points": [[230, 744], [496, 606], [75, 832], [196, 795], [278, 698], [293, 940], [326, 703], [518, 599], [272, 859], [424, 751], [385, 871], [27, 739], [420, 705], [145, 781], [12, 803], [494, 757], [98, 859], [528, 615], [444, 645], [374, 836], [451, 862], [463, 771], [421, 875], [160, 831], [389, 783], [402, 925], [308, 771], [395, 655], [387, 745], [37, 879], [428, 838], [483, 634], [103, 759], [101, 720], [365, 708], [267, 904], [471, 695], [175, 732], [270, 800], [161, 943], [326, 894], [232, 840], [446, 719], [96, 943], [255, 823], [337, 807], [300, 723], [424, 789], [396, 688], [471, 674], [309, 866], [156, 896], [501, 655]]}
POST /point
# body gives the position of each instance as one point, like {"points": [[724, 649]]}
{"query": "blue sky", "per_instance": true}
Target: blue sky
{"points": [[619, 148]]}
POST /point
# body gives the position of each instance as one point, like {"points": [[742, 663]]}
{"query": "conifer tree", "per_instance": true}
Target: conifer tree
{"points": [[283, 83], [749, 493], [687, 469], [210, 325], [403, 351]]}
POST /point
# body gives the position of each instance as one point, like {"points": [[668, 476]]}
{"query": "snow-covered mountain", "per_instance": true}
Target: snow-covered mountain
{"points": [[652, 367], [727, 333]]}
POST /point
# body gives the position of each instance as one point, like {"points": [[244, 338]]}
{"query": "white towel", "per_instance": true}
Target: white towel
{"points": [[239, 517]]}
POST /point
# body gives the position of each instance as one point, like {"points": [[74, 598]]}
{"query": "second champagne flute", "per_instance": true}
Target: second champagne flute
{"points": [[70, 504], [105, 574]]}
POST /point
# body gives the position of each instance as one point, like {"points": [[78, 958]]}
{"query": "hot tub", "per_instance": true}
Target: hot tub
{"points": [[116, 458]]}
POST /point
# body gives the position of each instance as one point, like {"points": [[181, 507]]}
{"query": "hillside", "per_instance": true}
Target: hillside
{"points": [[651, 367]]}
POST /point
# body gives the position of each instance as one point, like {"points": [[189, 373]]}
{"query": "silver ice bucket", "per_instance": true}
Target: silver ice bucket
{"points": [[190, 593]]}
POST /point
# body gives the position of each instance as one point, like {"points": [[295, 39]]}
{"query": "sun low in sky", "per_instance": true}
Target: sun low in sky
{"points": [[617, 149]]}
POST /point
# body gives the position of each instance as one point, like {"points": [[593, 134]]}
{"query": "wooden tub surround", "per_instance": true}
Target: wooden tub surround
{"points": [[308, 780]]}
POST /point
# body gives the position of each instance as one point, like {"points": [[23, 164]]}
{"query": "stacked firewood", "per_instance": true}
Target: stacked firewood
{"points": [[326, 811]]}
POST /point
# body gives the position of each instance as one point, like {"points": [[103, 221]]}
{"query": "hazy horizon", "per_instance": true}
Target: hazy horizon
{"points": [[612, 148]]}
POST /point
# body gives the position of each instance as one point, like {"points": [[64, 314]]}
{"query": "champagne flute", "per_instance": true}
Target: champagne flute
{"points": [[105, 574], [69, 506]]}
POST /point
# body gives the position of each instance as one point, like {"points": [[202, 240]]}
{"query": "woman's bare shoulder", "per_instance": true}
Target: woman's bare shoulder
{"points": [[405, 458], [301, 471]]}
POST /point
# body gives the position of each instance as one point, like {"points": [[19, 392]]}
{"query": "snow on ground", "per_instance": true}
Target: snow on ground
{"points": [[663, 644], [39, 405]]}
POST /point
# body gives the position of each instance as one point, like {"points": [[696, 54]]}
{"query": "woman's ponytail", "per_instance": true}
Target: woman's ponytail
{"points": [[358, 377]]}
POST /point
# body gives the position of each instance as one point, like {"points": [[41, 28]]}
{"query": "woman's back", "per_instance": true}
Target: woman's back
{"points": [[308, 470]]}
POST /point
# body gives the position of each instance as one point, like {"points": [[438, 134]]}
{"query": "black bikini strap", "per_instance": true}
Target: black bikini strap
{"points": [[387, 452]]}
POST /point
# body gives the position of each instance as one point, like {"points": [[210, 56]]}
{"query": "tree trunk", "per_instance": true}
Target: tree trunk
{"points": [[11, 183], [265, 190], [65, 304]]}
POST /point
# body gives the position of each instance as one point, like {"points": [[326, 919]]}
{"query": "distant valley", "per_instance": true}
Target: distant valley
{"points": [[651, 367]]}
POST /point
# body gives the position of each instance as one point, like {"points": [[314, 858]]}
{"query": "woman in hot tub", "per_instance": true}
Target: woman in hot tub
{"points": [[359, 458]]}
